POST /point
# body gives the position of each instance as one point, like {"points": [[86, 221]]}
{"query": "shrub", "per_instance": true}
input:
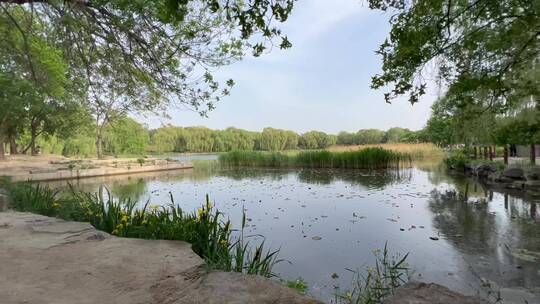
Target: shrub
{"points": [[456, 161]]}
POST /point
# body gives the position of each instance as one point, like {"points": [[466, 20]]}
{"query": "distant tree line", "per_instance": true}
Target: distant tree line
{"points": [[201, 139], [128, 137]]}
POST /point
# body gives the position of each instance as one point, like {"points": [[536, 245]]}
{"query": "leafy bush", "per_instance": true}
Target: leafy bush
{"points": [[79, 145], [456, 161]]}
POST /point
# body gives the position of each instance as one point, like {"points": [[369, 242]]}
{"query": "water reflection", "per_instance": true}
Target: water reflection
{"points": [[484, 235], [134, 190], [497, 234], [364, 178], [134, 185]]}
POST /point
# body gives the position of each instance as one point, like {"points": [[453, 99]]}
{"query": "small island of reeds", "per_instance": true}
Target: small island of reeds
{"points": [[369, 158]]}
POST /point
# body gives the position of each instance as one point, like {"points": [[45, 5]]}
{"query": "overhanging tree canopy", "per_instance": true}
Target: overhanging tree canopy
{"points": [[134, 56], [478, 46]]}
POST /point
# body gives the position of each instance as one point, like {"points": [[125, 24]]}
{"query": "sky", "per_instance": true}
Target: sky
{"points": [[321, 83]]}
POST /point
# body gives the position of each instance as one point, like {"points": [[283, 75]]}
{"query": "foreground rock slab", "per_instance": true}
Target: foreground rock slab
{"points": [[47, 260], [422, 293]]}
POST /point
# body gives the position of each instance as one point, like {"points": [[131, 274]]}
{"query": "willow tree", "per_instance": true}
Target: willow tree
{"points": [[143, 56]]}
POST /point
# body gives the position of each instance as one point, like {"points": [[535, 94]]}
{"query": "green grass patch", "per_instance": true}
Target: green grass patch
{"points": [[298, 285], [210, 235], [369, 158]]}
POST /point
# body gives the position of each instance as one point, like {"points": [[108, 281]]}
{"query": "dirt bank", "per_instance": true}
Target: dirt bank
{"points": [[47, 260]]}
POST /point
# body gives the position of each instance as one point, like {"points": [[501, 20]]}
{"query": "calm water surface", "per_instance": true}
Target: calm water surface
{"points": [[328, 221]]}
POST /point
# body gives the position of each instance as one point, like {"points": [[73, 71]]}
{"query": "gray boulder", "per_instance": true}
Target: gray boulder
{"points": [[514, 173], [533, 173], [485, 169], [532, 185], [497, 177], [516, 185]]}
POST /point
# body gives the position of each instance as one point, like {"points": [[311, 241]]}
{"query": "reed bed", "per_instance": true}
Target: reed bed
{"points": [[415, 151], [369, 158], [211, 236]]}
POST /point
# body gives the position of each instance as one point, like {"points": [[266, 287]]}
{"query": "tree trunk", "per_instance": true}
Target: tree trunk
{"points": [[475, 152], [505, 154], [99, 144], [34, 125], [533, 154], [33, 142], [490, 153], [2, 154], [13, 146], [485, 153]]}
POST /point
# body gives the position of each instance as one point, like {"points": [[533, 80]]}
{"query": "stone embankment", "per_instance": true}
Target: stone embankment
{"points": [[513, 178], [46, 168], [48, 260]]}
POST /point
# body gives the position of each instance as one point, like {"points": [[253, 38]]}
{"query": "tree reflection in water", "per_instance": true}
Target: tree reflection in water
{"points": [[497, 234]]}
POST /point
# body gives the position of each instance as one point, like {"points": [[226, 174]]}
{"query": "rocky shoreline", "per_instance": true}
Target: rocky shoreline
{"points": [[512, 180]]}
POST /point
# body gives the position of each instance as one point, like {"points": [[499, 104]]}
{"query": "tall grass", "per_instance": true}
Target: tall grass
{"points": [[370, 158], [376, 283], [210, 235], [415, 151]]}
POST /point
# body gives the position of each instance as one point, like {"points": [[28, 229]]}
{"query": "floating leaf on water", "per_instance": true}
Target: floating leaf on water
{"points": [[316, 238], [334, 276], [434, 238]]}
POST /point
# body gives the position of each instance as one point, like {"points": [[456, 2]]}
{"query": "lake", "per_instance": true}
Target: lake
{"points": [[328, 222]]}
